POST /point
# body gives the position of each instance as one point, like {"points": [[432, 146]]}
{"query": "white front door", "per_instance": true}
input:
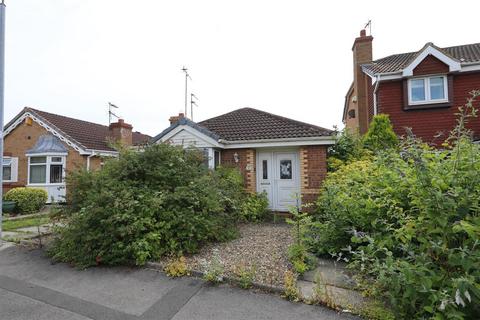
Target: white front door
{"points": [[278, 175]]}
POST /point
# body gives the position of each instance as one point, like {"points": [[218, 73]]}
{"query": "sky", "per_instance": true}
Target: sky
{"points": [[291, 58]]}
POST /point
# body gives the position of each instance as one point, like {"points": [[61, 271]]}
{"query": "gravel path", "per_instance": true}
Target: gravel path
{"points": [[261, 247]]}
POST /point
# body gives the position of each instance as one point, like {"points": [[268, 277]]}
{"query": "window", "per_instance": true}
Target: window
{"points": [[46, 169], [216, 158], [7, 169], [264, 169], [285, 169], [427, 90]]}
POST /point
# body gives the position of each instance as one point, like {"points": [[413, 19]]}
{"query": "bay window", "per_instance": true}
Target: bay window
{"points": [[428, 90], [46, 169], [9, 169]]}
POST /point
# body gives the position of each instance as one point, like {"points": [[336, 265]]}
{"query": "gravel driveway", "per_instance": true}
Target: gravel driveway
{"points": [[261, 247]]}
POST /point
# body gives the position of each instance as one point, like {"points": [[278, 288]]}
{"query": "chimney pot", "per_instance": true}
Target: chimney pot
{"points": [[363, 33]]}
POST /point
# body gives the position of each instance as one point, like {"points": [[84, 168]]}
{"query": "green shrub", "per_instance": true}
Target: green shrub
{"points": [[143, 205], [410, 224], [255, 207], [348, 147], [380, 135], [28, 200]]}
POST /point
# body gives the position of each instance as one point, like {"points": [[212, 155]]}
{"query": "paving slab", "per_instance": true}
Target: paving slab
{"points": [[332, 273], [18, 307]]}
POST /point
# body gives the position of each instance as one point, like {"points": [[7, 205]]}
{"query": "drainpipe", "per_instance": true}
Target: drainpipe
{"points": [[375, 106], [88, 160]]}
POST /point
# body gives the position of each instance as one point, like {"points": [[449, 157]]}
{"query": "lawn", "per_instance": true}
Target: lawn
{"points": [[10, 225]]}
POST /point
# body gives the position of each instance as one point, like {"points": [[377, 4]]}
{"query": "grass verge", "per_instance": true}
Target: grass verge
{"points": [[12, 225]]}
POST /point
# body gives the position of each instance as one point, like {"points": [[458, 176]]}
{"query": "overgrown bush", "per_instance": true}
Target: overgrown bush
{"points": [[348, 148], [351, 146], [255, 207], [28, 200], [380, 135], [147, 204], [409, 221]]}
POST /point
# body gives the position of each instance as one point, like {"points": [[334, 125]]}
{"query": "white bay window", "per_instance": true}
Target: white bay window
{"points": [[44, 170]]}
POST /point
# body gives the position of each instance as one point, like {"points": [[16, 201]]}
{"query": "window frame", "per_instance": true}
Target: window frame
{"points": [[11, 169], [427, 90], [48, 163]]}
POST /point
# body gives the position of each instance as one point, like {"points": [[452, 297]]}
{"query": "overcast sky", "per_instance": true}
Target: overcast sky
{"points": [[291, 58]]}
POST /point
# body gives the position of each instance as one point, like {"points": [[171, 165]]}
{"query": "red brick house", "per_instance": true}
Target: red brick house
{"points": [[420, 90], [40, 148], [280, 156]]}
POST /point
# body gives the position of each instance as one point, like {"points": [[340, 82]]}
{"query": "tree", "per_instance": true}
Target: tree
{"points": [[380, 134]]}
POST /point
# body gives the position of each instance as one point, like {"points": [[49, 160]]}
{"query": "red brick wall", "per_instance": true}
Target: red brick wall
{"points": [[246, 161], [430, 65], [313, 170], [428, 122]]}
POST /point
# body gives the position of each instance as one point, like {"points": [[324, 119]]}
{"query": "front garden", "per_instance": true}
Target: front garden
{"points": [[404, 217]]}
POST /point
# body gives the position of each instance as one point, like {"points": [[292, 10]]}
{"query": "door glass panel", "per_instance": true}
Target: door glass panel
{"points": [[56, 173], [285, 169], [264, 169]]}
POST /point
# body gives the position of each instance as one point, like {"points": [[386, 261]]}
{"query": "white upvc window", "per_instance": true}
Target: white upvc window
{"points": [[426, 90], [46, 170], [10, 169]]}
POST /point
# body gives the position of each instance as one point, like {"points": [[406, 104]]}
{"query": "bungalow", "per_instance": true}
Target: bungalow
{"points": [[40, 148], [280, 156]]}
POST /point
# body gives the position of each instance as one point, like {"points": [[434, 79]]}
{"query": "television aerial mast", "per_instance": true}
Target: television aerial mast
{"points": [[187, 76], [193, 98], [110, 112]]}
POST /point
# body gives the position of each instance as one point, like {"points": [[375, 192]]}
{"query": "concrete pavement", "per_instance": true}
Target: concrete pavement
{"points": [[31, 287]]}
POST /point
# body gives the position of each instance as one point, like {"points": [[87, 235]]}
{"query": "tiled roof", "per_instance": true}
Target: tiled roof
{"points": [[252, 124], [89, 135], [469, 53]]}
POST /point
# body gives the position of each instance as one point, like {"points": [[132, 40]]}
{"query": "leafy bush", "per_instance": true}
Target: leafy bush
{"points": [[410, 224], [176, 267], [144, 205], [28, 200], [380, 135], [348, 147], [255, 207]]}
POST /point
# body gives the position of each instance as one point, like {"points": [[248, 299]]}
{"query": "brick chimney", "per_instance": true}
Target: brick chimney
{"points": [[175, 119], [362, 53], [121, 132]]}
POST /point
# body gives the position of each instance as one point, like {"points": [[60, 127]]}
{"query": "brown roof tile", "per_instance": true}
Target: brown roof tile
{"points": [[469, 53], [88, 135], [252, 124]]}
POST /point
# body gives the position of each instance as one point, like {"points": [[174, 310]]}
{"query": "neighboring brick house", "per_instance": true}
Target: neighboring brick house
{"points": [[280, 156], [419, 90], [40, 148]]}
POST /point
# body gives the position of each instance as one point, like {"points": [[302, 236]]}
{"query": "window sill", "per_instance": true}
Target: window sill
{"points": [[423, 106]]}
